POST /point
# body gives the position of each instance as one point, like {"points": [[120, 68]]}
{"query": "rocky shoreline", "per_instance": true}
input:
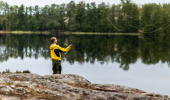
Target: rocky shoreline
{"points": [[26, 86]]}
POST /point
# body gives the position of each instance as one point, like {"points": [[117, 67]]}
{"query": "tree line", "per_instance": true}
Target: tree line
{"points": [[126, 17], [125, 50]]}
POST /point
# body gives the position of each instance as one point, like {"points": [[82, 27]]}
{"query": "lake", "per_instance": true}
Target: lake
{"points": [[141, 62]]}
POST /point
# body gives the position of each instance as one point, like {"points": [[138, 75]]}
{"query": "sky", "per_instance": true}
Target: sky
{"points": [[42, 3]]}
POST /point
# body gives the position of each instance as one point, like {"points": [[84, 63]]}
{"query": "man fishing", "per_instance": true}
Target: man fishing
{"points": [[56, 55]]}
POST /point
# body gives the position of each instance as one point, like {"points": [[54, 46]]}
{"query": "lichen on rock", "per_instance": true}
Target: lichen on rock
{"points": [[66, 87]]}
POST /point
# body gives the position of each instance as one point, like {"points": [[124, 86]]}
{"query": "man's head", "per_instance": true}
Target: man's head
{"points": [[54, 40]]}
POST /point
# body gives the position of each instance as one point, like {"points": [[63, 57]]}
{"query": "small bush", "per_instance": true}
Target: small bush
{"points": [[18, 71], [6, 71], [26, 71], [48, 96], [86, 84], [72, 95]]}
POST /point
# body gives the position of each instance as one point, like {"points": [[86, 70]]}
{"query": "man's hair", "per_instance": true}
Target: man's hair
{"points": [[52, 39]]}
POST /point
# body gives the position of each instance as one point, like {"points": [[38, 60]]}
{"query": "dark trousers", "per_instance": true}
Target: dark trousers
{"points": [[57, 67]]}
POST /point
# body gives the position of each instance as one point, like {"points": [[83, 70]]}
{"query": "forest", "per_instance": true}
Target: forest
{"points": [[126, 17]]}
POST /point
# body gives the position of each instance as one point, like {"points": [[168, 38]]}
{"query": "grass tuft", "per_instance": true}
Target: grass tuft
{"points": [[9, 83]]}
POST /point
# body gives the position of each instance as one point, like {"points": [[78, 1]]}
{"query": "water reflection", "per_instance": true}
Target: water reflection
{"points": [[124, 50]]}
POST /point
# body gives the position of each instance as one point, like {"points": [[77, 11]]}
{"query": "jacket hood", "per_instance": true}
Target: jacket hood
{"points": [[52, 47]]}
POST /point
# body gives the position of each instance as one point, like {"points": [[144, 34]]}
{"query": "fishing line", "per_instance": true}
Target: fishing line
{"points": [[82, 35], [73, 39], [135, 27], [120, 30]]}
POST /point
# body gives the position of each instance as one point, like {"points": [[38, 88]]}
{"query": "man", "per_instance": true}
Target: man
{"points": [[56, 55]]}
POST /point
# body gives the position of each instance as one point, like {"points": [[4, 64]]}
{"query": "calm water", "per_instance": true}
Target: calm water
{"points": [[141, 62]]}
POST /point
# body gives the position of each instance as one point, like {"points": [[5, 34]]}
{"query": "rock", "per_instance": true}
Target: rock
{"points": [[148, 94], [20, 90], [27, 90], [22, 85], [71, 78], [5, 90], [86, 92], [39, 90], [76, 90], [10, 98], [31, 87], [35, 84], [166, 96], [2, 86], [12, 90], [69, 87], [12, 86]]}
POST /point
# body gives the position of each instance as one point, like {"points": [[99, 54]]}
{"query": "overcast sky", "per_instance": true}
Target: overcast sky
{"points": [[42, 3]]}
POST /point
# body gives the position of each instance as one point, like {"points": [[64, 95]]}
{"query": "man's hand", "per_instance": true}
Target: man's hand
{"points": [[70, 45]]}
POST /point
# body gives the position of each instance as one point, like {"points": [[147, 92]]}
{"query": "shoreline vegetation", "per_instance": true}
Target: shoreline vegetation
{"points": [[25, 32], [76, 33], [66, 33]]}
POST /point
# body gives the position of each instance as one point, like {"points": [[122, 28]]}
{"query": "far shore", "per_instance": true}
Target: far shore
{"points": [[66, 33], [25, 32]]}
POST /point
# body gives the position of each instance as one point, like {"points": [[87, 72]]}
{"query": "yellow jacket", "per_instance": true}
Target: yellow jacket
{"points": [[56, 51]]}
